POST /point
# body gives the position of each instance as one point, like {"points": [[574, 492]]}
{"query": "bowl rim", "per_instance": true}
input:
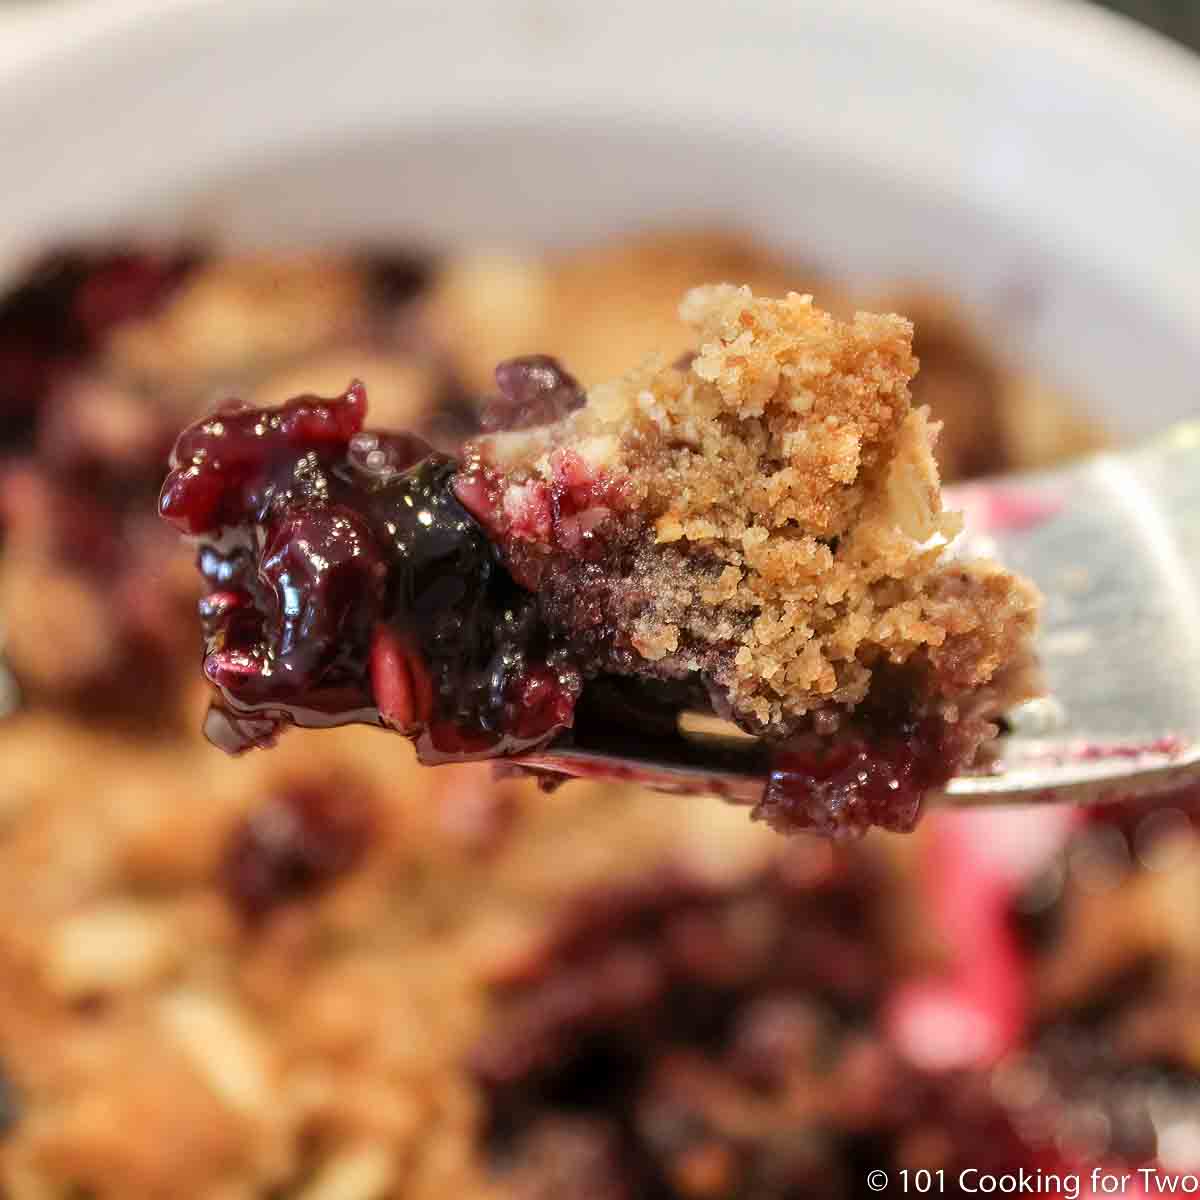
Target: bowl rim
{"points": [[1058, 127], [1104, 42]]}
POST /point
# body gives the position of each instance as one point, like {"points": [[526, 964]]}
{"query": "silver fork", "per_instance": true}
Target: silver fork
{"points": [[1113, 542]]}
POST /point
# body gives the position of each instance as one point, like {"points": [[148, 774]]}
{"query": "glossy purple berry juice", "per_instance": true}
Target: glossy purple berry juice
{"points": [[349, 585]]}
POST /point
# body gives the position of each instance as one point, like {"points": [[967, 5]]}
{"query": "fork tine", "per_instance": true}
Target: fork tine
{"points": [[1113, 542], [734, 769]]}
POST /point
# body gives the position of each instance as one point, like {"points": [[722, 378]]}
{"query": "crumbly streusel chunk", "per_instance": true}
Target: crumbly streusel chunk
{"points": [[767, 514]]}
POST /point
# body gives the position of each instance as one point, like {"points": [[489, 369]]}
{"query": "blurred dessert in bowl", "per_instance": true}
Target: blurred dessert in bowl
{"points": [[326, 972]]}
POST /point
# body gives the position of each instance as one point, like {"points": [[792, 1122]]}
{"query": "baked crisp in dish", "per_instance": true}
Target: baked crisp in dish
{"points": [[755, 530], [327, 973]]}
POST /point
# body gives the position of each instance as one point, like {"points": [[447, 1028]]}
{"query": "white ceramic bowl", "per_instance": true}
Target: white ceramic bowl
{"points": [[1036, 157]]}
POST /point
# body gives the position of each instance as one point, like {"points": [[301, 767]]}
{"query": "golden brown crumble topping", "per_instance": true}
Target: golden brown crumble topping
{"points": [[798, 536]]}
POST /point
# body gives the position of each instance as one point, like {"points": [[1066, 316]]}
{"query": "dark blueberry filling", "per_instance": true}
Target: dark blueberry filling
{"points": [[59, 313], [874, 772], [349, 584], [844, 787], [295, 846], [364, 577], [679, 1037]]}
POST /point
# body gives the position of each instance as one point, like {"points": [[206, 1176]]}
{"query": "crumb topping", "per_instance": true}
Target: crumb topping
{"points": [[791, 537]]}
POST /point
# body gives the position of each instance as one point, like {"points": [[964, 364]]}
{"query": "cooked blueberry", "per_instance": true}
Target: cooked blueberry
{"points": [[295, 845], [535, 390]]}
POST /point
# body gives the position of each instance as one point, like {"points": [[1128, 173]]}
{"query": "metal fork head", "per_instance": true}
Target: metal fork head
{"points": [[1113, 542]]}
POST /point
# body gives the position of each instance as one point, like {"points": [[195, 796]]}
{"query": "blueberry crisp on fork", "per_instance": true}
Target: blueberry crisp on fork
{"points": [[754, 531]]}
